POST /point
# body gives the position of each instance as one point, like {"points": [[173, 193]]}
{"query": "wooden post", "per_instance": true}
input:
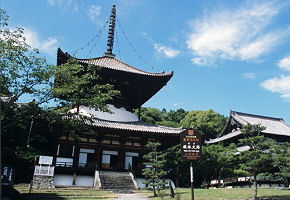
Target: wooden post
{"points": [[191, 180], [30, 185], [74, 178]]}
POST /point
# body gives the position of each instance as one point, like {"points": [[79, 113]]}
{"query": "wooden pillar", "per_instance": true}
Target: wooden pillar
{"points": [[74, 178], [121, 160], [121, 153], [76, 157], [98, 157]]}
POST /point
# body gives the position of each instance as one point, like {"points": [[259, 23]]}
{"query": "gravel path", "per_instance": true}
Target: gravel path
{"points": [[131, 197]]}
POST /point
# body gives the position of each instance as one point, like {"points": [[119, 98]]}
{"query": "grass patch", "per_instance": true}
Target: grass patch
{"points": [[76, 193], [221, 194]]}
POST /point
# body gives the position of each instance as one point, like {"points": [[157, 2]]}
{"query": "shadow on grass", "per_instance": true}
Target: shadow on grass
{"points": [[40, 196], [275, 197]]}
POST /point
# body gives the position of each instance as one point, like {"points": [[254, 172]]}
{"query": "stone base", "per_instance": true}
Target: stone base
{"points": [[43, 182]]}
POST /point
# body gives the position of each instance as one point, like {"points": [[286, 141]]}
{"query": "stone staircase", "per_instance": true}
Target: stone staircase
{"points": [[117, 181]]}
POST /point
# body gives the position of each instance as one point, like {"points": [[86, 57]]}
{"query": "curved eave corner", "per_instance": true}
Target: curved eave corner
{"points": [[63, 57]]}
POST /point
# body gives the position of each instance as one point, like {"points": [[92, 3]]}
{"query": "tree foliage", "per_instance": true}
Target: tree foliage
{"points": [[77, 85], [218, 162], [154, 170], [208, 123], [23, 71], [163, 118], [19, 145], [258, 159], [281, 161]]}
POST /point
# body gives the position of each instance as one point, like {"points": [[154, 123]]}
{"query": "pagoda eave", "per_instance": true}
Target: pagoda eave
{"points": [[136, 86]]}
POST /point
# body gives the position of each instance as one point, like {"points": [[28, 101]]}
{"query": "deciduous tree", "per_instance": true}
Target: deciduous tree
{"points": [[77, 85], [208, 123], [23, 71]]}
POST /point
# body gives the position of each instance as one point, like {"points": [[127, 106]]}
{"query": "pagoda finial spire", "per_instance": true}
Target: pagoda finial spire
{"points": [[110, 43]]}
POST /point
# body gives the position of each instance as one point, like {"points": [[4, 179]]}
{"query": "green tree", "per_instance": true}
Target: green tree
{"points": [[177, 116], [163, 118], [23, 71], [258, 159], [218, 162], [25, 133], [77, 85], [173, 163], [208, 123], [151, 115], [281, 161], [154, 170]]}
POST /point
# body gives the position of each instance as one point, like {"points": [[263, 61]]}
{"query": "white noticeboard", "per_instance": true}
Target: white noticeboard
{"points": [[45, 160]]}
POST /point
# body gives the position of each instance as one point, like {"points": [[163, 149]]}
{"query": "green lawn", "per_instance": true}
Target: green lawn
{"points": [[81, 193], [76, 193], [220, 194]]}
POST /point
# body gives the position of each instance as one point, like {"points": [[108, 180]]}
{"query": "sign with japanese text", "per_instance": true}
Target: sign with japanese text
{"points": [[45, 160], [190, 141], [7, 175]]}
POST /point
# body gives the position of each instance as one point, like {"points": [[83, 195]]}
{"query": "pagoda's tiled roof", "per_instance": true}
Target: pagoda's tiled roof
{"points": [[136, 86], [274, 126], [137, 127], [115, 64]]}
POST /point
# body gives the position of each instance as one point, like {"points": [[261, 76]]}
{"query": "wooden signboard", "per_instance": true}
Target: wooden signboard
{"points": [[190, 141]]}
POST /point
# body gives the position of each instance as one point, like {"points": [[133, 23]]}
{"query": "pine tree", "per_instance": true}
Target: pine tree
{"points": [[258, 159], [154, 171]]}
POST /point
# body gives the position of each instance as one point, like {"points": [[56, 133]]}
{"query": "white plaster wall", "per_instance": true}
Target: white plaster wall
{"points": [[119, 114], [63, 179], [84, 180], [142, 185]]}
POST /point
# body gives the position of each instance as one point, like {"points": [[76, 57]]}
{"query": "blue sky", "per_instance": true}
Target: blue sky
{"points": [[226, 55]]}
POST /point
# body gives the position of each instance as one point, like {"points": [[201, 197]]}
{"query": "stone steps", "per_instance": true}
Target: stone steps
{"points": [[117, 181]]}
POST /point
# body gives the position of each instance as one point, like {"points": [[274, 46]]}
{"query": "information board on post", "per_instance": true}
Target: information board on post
{"points": [[190, 141]]}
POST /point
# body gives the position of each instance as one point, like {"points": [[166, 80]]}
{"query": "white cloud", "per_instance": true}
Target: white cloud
{"points": [[44, 45], [284, 63], [235, 34], [51, 2], [250, 76], [166, 51], [94, 12], [279, 85], [64, 4]]}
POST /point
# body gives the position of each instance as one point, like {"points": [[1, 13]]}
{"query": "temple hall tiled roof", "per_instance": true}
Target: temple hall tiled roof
{"points": [[137, 126], [115, 64], [225, 137], [274, 126]]}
